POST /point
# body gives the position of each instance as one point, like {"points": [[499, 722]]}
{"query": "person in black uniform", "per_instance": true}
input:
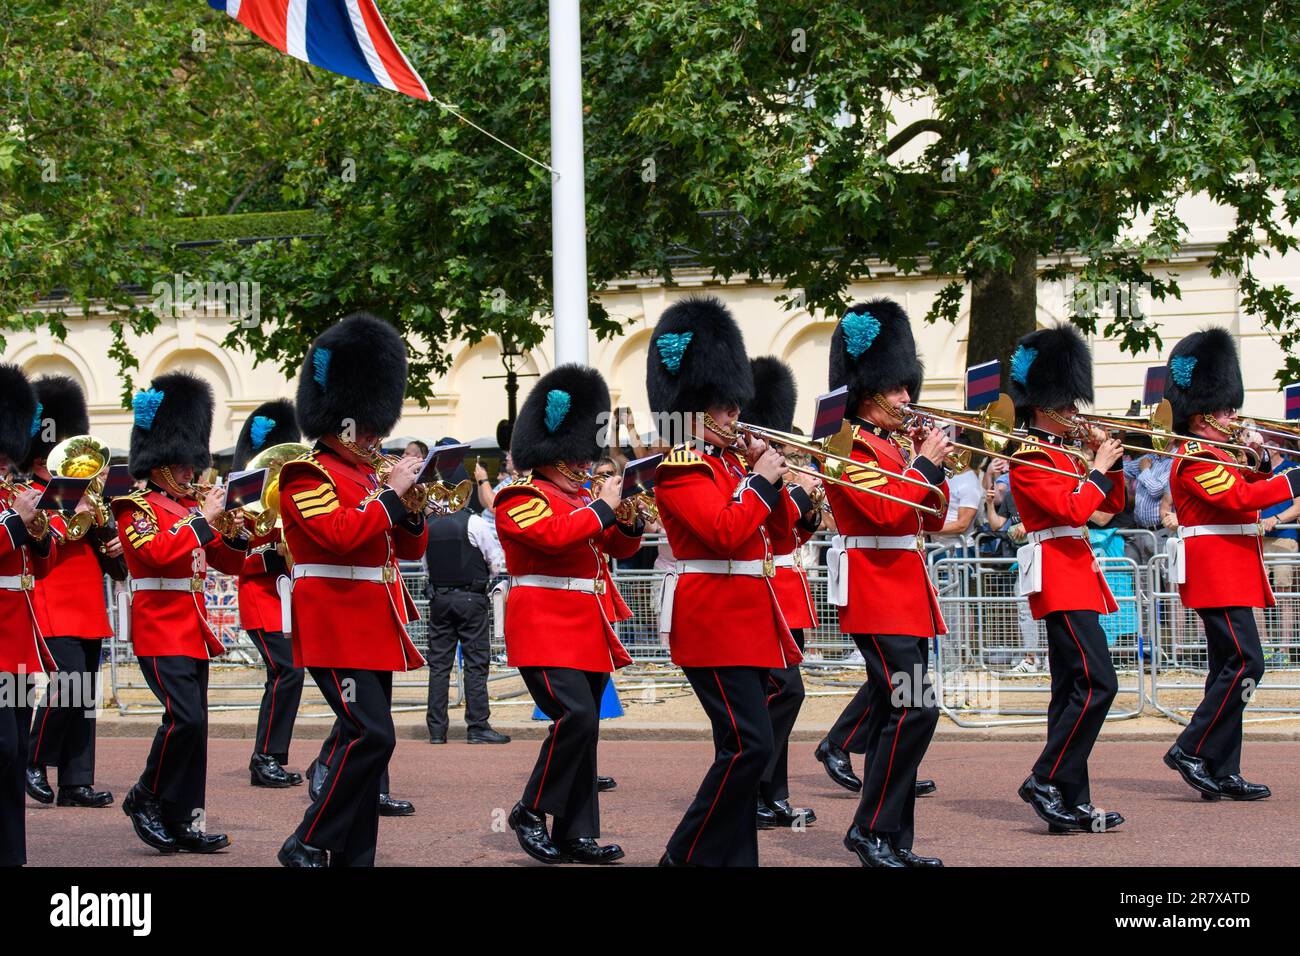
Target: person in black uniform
{"points": [[459, 571]]}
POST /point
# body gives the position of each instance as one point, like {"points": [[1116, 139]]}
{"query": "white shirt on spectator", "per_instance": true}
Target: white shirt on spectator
{"points": [[964, 491], [482, 534]]}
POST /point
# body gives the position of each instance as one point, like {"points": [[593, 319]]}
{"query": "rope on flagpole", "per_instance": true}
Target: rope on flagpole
{"points": [[469, 122]]}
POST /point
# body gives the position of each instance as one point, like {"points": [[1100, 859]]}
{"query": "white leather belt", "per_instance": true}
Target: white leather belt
{"points": [[1176, 548], [748, 569], [1047, 534], [791, 560], [193, 585], [555, 583], [386, 574], [1196, 530], [17, 582], [883, 542]]}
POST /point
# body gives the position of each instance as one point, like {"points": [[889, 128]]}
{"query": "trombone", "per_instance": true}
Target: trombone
{"points": [[1160, 427], [833, 453], [1273, 427], [82, 456], [996, 422]]}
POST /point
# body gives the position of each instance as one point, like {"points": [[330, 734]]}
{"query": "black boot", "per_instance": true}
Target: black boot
{"points": [[295, 854], [606, 783], [668, 860], [196, 841], [83, 796], [1193, 771], [1235, 787], [1049, 805], [839, 767], [392, 807], [784, 815], [316, 772], [146, 819], [295, 778], [485, 735], [765, 819], [1091, 820], [530, 828], [587, 850], [265, 771], [919, 862], [38, 787], [872, 849], [925, 787]]}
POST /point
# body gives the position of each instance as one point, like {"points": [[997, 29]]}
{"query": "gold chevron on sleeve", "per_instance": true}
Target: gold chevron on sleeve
{"points": [[529, 512], [1217, 480], [683, 455], [320, 500], [865, 477]]}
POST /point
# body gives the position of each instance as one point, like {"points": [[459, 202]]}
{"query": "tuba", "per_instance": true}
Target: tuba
{"points": [[265, 512], [83, 456]]}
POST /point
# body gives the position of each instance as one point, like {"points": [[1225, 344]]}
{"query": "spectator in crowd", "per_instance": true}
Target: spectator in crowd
{"points": [[1282, 542], [417, 449], [1150, 485], [965, 494], [462, 557]]}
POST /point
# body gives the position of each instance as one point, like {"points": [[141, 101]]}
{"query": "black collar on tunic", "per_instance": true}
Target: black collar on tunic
{"points": [[1050, 438], [866, 426]]}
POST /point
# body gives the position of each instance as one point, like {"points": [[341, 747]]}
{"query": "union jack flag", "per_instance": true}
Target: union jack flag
{"points": [[343, 36]]}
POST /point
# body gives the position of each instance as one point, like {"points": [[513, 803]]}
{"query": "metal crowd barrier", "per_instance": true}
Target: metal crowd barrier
{"points": [[1158, 647]]}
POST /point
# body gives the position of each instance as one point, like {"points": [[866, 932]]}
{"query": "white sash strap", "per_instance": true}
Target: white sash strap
{"points": [[500, 591], [667, 591], [386, 574], [192, 585], [124, 615], [1176, 547], [17, 582]]}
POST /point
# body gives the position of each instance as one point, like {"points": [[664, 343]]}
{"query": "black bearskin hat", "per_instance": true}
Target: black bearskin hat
{"points": [[775, 395], [697, 360], [272, 423], [561, 418], [173, 424], [872, 351], [1051, 368], [1204, 375], [19, 414], [63, 403], [355, 372]]}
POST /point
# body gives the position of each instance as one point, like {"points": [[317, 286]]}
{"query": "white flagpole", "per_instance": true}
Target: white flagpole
{"points": [[568, 193]]}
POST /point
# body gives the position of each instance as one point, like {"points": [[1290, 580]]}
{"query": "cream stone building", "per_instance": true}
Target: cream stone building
{"points": [[467, 403]]}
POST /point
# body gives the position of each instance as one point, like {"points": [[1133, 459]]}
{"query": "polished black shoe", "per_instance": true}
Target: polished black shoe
{"points": [[295, 778], [838, 765], [437, 738], [1235, 787], [196, 841], [1050, 806], [784, 815], [1092, 820], [925, 787], [265, 771], [82, 795], [390, 807], [919, 862], [872, 849], [485, 735], [1193, 771], [587, 850], [146, 819], [530, 829], [295, 854], [765, 819], [604, 784], [316, 773], [38, 787]]}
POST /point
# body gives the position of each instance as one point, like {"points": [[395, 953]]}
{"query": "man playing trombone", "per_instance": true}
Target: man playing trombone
{"points": [[877, 571], [1051, 373]]}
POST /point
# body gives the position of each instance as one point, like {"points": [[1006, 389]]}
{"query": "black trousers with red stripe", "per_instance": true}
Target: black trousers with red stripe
{"points": [[902, 712], [563, 781], [1083, 686], [345, 820], [15, 723], [785, 698], [330, 747], [63, 731], [176, 770], [1236, 666], [281, 694], [849, 732], [720, 826]]}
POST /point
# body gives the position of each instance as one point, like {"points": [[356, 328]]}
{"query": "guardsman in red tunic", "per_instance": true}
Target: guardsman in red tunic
{"points": [[26, 547], [877, 575], [1051, 374], [1218, 560], [772, 406], [720, 607], [71, 608], [562, 605], [272, 423], [346, 528], [170, 539]]}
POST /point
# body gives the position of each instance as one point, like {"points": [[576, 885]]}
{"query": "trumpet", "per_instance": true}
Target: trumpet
{"points": [[627, 508], [437, 496], [224, 523], [40, 525], [996, 422], [833, 454], [83, 456], [1160, 427]]}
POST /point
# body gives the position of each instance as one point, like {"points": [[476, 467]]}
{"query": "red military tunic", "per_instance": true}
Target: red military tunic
{"points": [[1072, 578], [889, 589], [791, 583], [22, 648], [70, 600], [163, 537], [259, 599], [335, 513], [712, 511], [545, 530], [1225, 570]]}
